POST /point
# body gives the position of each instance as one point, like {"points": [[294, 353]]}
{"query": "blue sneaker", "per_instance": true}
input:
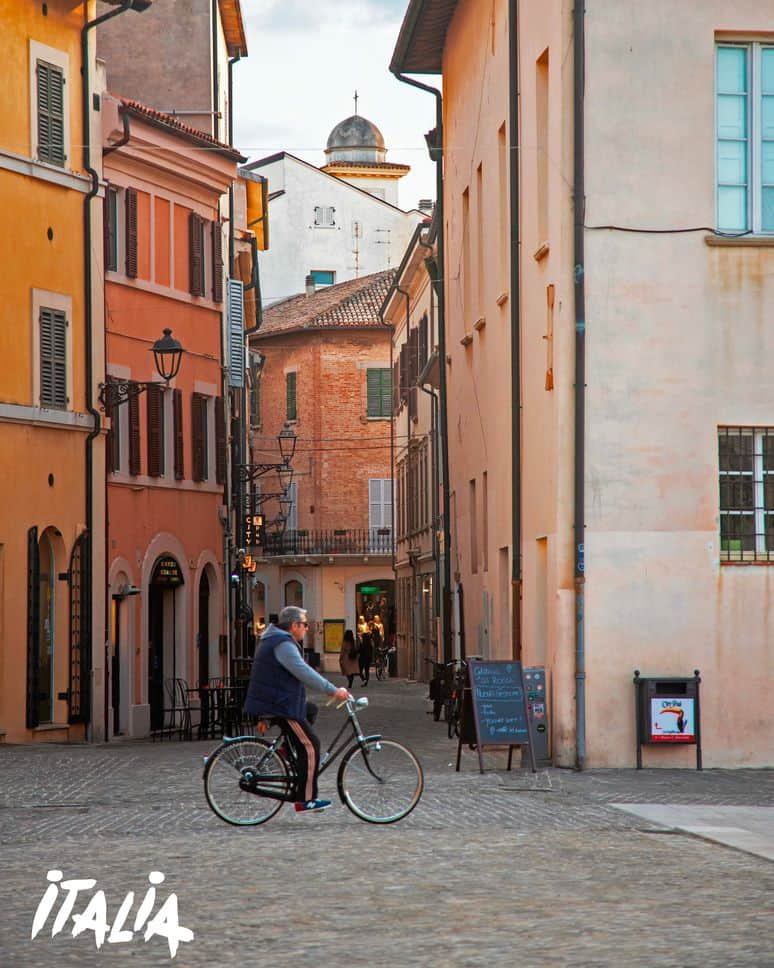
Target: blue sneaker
{"points": [[310, 806]]}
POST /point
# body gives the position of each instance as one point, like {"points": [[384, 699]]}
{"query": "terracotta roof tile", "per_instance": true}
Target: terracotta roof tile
{"points": [[169, 121], [354, 303]]}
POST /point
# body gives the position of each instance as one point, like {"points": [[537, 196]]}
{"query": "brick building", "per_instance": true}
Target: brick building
{"points": [[322, 363]]}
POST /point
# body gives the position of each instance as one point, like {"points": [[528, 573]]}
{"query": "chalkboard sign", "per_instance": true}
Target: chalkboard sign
{"points": [[497, 707]]}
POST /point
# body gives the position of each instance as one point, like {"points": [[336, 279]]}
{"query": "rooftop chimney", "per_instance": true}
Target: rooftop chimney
{"points": [[310, 286], [426, 205]]}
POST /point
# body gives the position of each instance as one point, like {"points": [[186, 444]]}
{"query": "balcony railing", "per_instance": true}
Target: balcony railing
{"points": [[359, 541]]}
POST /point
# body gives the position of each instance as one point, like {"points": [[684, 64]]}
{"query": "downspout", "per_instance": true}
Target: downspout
{"points": [[439, 285], [88, 325], [436, 468], [124, 139], [215, 86], [412, 562], [515, 306], [579, 191]]}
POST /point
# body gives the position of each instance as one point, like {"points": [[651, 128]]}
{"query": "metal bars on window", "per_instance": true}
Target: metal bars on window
{"points": [[746, 468]]}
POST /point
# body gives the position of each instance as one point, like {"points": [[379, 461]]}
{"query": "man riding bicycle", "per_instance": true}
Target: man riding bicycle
{"points": [[277, 682]]}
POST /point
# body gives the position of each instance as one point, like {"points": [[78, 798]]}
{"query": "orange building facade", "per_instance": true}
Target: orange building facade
{"points": [[51, 438], [165, 249]]}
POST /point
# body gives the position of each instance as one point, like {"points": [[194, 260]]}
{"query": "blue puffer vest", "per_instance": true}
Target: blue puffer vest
{"points": [[273, 691]]}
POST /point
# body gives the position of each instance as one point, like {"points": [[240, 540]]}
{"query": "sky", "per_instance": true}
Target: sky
{"points": [[305, 61]]}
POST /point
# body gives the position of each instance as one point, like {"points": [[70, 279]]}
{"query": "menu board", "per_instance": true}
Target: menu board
{"points": [[499, 706]]}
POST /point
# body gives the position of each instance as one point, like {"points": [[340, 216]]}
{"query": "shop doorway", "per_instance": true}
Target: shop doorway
{"points": [[115, 664], [162, 633], [375, 603]]}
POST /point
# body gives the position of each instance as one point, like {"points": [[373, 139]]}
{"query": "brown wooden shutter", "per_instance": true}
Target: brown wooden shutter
{"points": [[113, 442], [196, 254], [131, 232], [198, 436], [177, 419], [217, 262], [220, 441], [155, 420], [134, 432]]}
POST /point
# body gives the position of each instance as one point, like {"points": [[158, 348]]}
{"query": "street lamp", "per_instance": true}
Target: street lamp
{"points": [[287, 443], [167, 354], [285, 474]]}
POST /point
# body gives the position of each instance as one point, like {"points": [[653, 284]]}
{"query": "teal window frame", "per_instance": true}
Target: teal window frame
{"points": [[323, 277], [744, 137]]}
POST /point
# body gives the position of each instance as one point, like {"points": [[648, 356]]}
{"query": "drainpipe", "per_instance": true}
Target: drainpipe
{"points": [[124, 137], [439, 285], [436, 464], [215, 87], [580, 381], [515, 306], [88, 324]]}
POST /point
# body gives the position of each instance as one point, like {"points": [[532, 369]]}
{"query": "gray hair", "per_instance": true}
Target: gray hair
{"points": [[289, 615]]}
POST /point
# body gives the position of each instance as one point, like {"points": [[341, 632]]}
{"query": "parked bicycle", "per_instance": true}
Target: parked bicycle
{"points": [[247, 779], [382, 661]]}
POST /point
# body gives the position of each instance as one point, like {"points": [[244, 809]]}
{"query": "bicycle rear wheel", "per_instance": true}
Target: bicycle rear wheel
{"points": [[236, 776], [380, 781]]}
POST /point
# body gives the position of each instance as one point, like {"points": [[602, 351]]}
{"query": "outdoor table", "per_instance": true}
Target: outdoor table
{"points": [[221, 707]]}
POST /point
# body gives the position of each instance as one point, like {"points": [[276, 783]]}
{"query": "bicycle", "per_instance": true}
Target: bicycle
{"points": [[381, 661], [247, 779]]}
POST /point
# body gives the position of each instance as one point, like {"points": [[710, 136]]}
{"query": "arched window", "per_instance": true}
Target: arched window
{"points": [[294, 593]]}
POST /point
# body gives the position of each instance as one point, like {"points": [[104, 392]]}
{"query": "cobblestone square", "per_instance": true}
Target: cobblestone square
{"points": [[499, 869]]}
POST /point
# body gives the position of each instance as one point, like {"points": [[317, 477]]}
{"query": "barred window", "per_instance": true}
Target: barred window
{"points": [[746, 493]]}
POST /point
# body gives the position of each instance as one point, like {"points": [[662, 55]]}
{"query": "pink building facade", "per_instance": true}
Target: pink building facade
{"points": [[653, 552]]}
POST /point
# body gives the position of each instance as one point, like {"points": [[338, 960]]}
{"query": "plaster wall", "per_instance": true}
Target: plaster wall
{"points": [[148, 71], [297, 245], [475, 72], [42, 247], [678, 345]]}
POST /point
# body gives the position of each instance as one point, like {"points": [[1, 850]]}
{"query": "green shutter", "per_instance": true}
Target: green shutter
{"points": [[53, 358], [50, 114], [379, 391], [292, 411]]}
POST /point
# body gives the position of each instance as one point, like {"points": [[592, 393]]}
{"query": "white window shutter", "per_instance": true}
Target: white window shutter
{"points": [[379, 503], [236, 333]]}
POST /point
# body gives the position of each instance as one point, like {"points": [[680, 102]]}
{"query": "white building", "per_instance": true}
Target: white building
{"points": [[337, 222]]}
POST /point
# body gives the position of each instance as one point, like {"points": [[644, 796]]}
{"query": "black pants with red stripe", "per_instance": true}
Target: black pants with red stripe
{"points": [[306, 746]]}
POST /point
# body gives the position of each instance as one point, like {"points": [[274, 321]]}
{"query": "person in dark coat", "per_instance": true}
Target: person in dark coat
{"points": [[276, 688], [365, 656], [349, 657]]}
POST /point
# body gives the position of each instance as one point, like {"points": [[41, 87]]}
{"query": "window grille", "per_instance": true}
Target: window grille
{"points": [[746, 466]]}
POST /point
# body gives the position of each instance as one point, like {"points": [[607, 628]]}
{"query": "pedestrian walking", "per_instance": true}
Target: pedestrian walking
{"points": [[349, 661], [365, 656]]}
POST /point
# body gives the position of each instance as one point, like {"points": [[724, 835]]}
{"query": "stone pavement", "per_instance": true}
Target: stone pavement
{"points": [[500, 869]]}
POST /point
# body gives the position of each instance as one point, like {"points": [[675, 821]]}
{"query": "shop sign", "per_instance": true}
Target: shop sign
{"points": [[672, 721], [167, 572]]}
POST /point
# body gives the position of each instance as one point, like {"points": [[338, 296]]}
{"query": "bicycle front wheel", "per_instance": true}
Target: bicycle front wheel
{"points": [[380, 781], [242, 780]]}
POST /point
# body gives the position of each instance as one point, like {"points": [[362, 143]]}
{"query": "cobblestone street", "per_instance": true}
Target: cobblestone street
{"points": [[499, 869]]}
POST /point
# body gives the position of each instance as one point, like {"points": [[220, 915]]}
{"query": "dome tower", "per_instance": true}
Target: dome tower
{"points": [[355, 152]]}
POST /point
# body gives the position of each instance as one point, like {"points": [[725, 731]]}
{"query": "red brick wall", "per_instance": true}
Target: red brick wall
{"points": [[338, 447]]}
